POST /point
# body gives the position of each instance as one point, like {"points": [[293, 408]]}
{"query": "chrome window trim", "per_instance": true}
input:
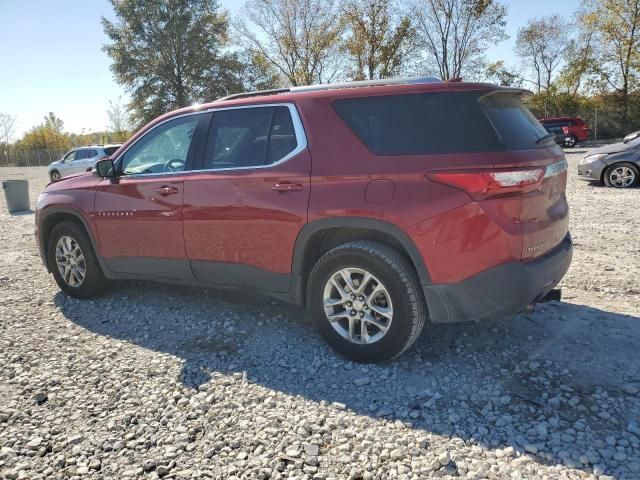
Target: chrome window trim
{"points": [[298, 128]]}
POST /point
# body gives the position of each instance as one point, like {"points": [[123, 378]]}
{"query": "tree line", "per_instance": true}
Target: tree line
{"points": [[169, 54]]}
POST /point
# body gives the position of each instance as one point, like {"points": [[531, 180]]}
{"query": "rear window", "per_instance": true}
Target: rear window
{"points": [[110, 150], [441, 122], [515, 125]]}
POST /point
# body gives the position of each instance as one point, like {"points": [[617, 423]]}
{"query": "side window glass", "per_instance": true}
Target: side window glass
{"points": [[282, 138], [70, 157], [93, 153], [82, 154], [238, 138], [163, 149], [249, 137]]}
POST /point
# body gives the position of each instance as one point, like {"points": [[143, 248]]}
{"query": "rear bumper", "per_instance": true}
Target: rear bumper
{"points": [[499, 291]]}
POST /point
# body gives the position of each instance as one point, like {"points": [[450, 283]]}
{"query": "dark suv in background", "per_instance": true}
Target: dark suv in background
{"points": [[378, 205], [574, 129]]}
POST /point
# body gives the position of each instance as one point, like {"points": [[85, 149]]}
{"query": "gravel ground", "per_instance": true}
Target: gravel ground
{"points": [[156, 381]]}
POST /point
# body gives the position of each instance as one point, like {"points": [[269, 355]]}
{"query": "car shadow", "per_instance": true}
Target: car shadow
{"points": [[536, 382]]}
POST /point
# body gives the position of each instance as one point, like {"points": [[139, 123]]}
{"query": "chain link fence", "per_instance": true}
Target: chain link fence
{"points": [[17, 157]]}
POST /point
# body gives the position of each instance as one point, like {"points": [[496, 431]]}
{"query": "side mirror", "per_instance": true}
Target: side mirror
{"points": [[104, 168]]}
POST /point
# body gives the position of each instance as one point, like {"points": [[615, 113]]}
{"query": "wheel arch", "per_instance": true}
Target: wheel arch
{"points": [[53, 216], [320, 236]]}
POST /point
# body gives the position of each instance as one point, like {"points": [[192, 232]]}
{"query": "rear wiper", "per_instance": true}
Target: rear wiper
{"points": [[546, 137]]}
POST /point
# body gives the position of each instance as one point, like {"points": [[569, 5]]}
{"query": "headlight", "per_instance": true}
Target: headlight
{"points": [[41, 199], [592, 158]]}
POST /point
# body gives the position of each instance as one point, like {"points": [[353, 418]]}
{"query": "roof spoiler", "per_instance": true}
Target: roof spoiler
{"points": [[523, 92]]}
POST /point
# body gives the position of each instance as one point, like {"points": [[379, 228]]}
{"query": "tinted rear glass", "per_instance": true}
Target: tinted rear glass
{"points": [[441, 122]]}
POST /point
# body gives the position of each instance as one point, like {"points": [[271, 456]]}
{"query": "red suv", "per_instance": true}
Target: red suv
{"points": [[377, 205], [574, 129]]}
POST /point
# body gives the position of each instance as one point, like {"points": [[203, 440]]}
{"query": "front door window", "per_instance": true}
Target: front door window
{"points": [[162, 150]]}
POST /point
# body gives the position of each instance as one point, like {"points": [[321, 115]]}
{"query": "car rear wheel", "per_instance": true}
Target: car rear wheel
{"points": [[73, 262], [365, 300], [570, 141], [621, 175], [55, 176]]}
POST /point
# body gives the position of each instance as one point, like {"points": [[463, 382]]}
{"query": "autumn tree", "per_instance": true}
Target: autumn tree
{"points": [[376, 42], [454, 34], [541, 45], [47, 135], [616, 27], [170, 53], [299, 38]]}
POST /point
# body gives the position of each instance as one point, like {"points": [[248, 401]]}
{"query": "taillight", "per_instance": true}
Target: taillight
{"points": [[487, 184]]}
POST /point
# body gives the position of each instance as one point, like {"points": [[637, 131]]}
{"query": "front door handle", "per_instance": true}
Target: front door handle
{"points": [[287, 187], [164, 191]]}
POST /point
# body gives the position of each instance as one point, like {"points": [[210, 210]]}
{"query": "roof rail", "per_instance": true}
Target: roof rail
{"points": [[253, 94], [366, 83], [333, 86]]}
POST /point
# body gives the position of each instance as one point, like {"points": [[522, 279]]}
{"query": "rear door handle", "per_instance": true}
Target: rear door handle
{"points": [[164, 191], [287, 187]]}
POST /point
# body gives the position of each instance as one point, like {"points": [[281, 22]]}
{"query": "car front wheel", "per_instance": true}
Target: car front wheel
{"points": [[365, 300], [73, 262], [55, 176], [621, 175]]}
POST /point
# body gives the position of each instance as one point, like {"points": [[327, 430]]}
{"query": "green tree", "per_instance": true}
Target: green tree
{"points": [[376, 42], [454, 34], [170, 53], [53, 123], [299, 38]]}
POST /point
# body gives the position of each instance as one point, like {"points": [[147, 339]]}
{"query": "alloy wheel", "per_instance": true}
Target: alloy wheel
{"points": [[70, 261], [358, 305], [622, 177]]}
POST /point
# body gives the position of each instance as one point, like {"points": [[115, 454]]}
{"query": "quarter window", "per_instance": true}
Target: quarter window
{"points": [[163, 149], [249, 137]]}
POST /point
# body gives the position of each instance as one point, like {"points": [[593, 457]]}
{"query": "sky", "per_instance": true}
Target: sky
{"points": [[51, 57]]}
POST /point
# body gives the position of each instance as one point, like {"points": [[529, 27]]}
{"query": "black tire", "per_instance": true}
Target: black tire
{"points": [[571, 141], [94, 282], [54, 176], [609, 182], [399, 279]]}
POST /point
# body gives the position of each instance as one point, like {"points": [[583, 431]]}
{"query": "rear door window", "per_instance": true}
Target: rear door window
{"points": [[82, 154], [249, 137]]}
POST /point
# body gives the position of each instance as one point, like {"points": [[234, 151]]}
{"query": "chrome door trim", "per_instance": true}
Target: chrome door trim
{"points": [[298, 128]]}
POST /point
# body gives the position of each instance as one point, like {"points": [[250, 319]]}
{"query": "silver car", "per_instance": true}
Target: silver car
{"points": [[80, 159], [616, 165]]}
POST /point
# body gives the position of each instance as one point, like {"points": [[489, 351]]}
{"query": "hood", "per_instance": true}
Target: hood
{"points": [[616, 147], [82, 180]]}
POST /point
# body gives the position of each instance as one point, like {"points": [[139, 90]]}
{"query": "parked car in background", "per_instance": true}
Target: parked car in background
{"points": [[80, 159], [574, 129], [428, 201], [616, 165]]}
